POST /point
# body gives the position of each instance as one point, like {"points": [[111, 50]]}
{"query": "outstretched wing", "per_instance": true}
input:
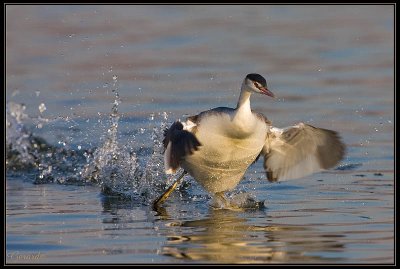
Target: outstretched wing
{"points": [[178, 141], [300, 150]]}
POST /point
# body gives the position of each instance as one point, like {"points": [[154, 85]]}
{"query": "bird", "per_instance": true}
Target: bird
{"points": [[217, 146]]}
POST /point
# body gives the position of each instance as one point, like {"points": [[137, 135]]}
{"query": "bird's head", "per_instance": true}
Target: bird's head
{"points": [[256, 83]]}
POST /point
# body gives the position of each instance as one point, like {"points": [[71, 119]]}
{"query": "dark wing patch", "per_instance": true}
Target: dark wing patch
{"points": [[182, 143]]}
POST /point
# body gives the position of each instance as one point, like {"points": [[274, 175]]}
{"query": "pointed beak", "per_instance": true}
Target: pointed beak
{"points": [[265, 91]]}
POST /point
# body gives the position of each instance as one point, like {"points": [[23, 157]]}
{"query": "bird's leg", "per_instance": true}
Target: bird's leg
{"points": [[221, 197], [226, 203], [167, 193]]}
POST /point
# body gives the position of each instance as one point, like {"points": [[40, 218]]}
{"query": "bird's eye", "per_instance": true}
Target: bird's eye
{"points": [[255, 84]]}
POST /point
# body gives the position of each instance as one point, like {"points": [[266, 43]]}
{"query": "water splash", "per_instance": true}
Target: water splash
{"points": [[348, 167], [114, 166], [26, 152], [21, 146], [154, 168], [238, 201]]}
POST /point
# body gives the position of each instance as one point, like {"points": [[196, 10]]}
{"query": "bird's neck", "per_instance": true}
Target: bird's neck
{"points": [[243, 104], [243, 115]]}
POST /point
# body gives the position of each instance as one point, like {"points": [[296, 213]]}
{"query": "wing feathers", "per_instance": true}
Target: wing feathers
{"points": [[300, 150], [177, 143]]}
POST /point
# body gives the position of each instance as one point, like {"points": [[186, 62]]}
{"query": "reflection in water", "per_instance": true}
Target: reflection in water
{"points": [[226, 237], [176, 59]]}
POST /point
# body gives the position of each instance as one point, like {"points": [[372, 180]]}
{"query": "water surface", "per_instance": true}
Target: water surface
{"points": [[99, 83]]}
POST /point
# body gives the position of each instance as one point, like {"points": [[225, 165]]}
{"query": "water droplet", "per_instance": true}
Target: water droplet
{"points": [[79, 147], [165, 115], [42, 107], [37, 93], [61, 143], [15, 93], [115, 77]]}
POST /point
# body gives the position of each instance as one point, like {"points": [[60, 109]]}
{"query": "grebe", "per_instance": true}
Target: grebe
{"points": [[218, 145]]}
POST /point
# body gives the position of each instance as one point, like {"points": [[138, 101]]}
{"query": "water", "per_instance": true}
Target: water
{"points": [[89, 90]]}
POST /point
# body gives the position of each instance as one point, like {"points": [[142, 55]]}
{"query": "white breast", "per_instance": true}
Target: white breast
{"points": [[227, 150]]}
